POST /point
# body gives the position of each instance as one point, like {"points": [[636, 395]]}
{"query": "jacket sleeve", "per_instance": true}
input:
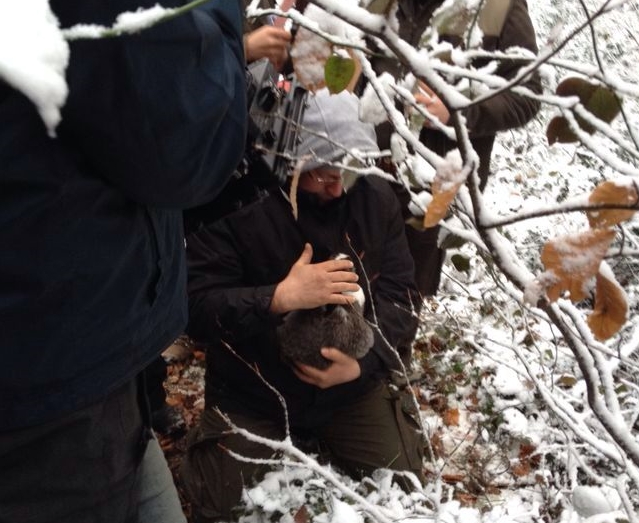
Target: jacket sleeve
{"points": [[508, 110], [221, 305], [395, 296], [160, 114]]}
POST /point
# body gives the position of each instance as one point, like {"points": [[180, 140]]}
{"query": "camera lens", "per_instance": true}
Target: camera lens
{"points": [[266, 98]]}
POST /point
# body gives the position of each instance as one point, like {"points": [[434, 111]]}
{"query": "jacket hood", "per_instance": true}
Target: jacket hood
{"points": [[331, 129]]}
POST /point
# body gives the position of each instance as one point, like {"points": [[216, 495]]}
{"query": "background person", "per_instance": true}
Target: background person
{"points": [[262, 38], [508, 25]]}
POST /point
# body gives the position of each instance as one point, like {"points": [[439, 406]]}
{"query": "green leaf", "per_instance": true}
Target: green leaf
{"points": [[604, 104], [597, 99], [461, 263], [338, 72]]}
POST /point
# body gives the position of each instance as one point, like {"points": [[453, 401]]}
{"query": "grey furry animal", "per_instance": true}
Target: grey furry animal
{"points": [[305, 331]]}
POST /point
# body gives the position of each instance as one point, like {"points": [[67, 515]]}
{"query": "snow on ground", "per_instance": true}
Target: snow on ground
{"points": [[497, 452]]}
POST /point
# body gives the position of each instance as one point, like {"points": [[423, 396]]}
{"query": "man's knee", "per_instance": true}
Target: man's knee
{"points": [[380, 431], [411, 435], [212, 478], [212, 483]]}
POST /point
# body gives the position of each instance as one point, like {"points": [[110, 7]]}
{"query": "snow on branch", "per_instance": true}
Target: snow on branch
{"points": [[34, 50]]}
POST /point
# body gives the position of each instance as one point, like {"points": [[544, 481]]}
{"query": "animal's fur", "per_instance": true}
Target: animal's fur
{"points": [[304, 332]]}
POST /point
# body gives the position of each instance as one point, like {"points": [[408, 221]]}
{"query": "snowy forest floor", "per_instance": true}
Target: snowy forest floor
{"points": [[488, 446]]}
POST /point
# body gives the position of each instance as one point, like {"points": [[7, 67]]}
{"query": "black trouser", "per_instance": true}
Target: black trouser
{"points": [[378, 431], [81, 468], [155, 375], [428, 258]]}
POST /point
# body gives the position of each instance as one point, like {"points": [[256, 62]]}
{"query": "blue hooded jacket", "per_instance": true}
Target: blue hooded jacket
{"points": [[92, 276]]}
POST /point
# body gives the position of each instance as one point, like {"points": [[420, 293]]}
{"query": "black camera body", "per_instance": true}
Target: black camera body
{"points": [[275, 116], [274, 119]]}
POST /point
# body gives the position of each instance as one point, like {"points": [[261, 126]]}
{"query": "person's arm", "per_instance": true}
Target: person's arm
{"points": [[221, 304], [508, 110], [269, 42], [222, 301], [160, 114]]}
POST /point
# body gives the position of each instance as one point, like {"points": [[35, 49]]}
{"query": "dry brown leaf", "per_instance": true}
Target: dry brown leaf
{"points": [[574, 260], [611, 308], [451, 417], [453, 478], [302, 515], [437, 445], [292, 193], [177, 352], [527, 452], [473, 400], [309, 53], [439, 403], [520, 469], [466, 500], [443, 195], [175, 399], [611, 193]]}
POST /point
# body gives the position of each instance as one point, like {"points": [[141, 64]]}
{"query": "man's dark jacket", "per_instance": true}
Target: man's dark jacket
{"points": [[235, 265], [92, 272]]}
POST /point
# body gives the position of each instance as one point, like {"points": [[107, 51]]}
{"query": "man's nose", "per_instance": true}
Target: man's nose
{"points": [[334, 189]]}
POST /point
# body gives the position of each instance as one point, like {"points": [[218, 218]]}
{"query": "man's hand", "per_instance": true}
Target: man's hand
{"points": [[342, 370], [309, 285], [267, 42], [431, 102]]}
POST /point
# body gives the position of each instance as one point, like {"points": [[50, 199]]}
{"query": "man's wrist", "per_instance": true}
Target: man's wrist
{"points": [[278, 305]]}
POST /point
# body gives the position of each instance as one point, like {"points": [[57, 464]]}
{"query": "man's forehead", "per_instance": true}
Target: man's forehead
{"points": [[329, 170]]}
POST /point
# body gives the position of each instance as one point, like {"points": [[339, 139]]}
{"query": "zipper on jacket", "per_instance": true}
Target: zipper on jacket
{"points": [[154, 287]]}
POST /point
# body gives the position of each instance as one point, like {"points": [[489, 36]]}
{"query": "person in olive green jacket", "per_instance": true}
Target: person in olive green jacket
{"points": [[506, 24]]}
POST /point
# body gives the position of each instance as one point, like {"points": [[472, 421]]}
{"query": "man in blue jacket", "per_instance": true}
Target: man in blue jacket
{"points": [[92, 275]]}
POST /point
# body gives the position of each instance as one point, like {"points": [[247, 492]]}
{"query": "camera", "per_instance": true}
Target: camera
{"points": [[275, 111], [275, 114]]}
